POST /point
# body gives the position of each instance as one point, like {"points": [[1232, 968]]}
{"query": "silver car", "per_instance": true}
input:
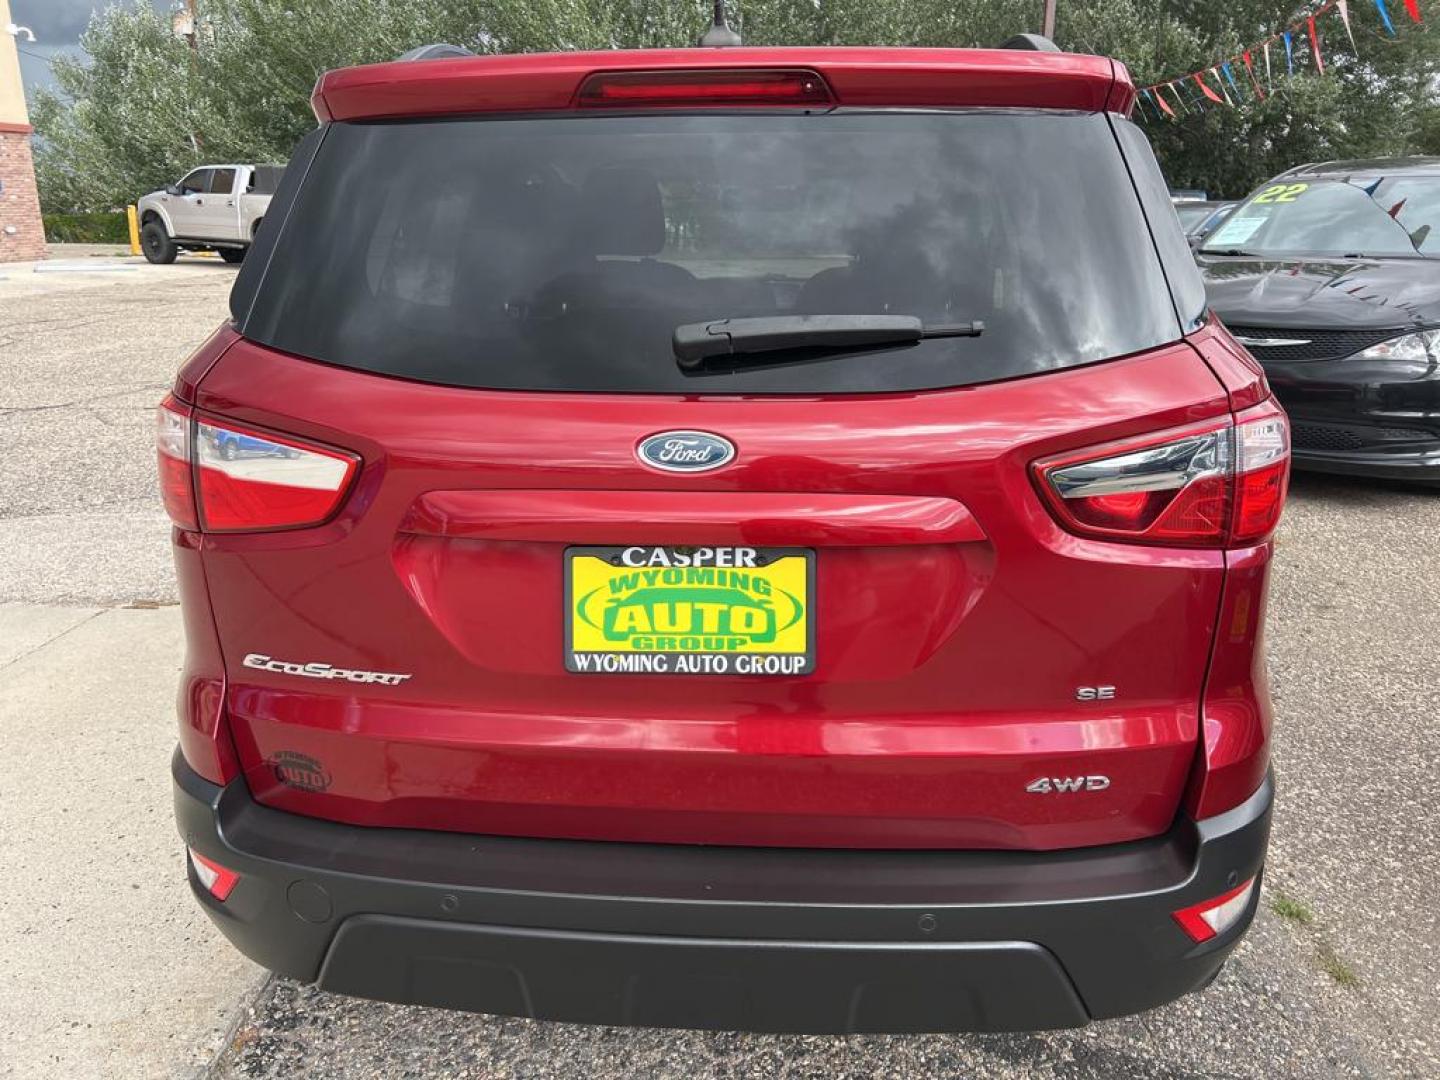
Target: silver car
{"points": [[215, 207]]}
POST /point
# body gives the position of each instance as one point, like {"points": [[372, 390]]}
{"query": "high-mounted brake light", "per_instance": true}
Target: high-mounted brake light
{"points": [[1211, 918], [217, 476], [704, 89], [218, 880], [1212, 485]]}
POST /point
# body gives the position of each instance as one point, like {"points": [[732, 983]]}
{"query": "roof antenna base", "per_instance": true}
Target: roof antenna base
{"points": [[1030, 43], [720, 36]]}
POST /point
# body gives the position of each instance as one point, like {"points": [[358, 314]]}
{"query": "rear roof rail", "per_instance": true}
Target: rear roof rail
{"points": [[1030, 42], [438, 51]]}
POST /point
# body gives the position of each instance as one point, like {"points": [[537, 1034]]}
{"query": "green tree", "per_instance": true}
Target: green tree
{"points": [[145, 108]]}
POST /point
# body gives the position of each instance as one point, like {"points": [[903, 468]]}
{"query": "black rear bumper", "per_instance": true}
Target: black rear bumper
{"points": [[730, 938]]}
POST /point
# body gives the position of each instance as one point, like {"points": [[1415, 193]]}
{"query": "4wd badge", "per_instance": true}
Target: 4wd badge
{"points": [[1060, 785]]}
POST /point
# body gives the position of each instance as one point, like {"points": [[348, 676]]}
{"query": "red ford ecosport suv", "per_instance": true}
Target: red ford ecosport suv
{"points": [[752, 538]]}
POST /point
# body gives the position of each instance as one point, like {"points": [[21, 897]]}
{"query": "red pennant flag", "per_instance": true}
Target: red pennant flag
{"points": [[1250, 67], [1164, 105], [1315, 44], [1205, 89], [1413, 7]]}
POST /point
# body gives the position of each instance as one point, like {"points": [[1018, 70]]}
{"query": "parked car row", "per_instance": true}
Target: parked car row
{"points": [[1330, 275]]}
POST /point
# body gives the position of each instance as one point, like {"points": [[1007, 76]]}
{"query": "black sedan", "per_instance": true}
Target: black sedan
{"points": [[1330, 275]]}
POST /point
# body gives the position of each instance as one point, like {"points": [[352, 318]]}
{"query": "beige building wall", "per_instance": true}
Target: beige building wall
{"points": [[22, 234]]}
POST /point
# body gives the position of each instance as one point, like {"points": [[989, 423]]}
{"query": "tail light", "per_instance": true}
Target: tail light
{"points": [[1213, 485], [1211, 918], [218, 880], [172, 445], [700, 89], [217, 476]]}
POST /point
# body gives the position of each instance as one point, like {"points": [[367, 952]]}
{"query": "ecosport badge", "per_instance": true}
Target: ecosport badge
{"points": [[685, 451], [315, 670]]}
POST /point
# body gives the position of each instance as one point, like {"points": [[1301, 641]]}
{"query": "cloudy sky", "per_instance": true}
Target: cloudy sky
{"points": [[57, 25]]}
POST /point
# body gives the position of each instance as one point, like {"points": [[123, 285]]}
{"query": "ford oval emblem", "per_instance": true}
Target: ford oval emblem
{"points": [[685, 451]]}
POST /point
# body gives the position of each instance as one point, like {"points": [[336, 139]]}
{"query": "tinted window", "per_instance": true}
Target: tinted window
{"points": [[1186, 283], [197, 183], [222, 182], [264, 179], [562, 253], [257, 260], [1397, 215]]}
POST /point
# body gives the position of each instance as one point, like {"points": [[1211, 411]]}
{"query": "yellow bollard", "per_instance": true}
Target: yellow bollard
{"points": [[131, 217]]}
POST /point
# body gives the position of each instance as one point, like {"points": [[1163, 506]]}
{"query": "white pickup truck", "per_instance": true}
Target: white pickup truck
{"points": [[215, 207]]}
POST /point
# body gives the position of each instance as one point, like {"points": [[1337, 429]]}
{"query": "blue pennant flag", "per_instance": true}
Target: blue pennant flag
{"points": [[1230, 78], [1385, 17], [1290, 54]]}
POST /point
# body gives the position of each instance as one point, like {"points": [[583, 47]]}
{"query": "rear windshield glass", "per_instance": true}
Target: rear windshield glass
{"points": [[561, 253]]}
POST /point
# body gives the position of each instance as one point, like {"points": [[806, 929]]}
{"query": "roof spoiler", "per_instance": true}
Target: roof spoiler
{"points": [[1030, 43], [438, 51]]}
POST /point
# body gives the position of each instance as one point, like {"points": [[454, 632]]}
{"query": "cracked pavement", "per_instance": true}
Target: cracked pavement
{"points": [[137, 983]]}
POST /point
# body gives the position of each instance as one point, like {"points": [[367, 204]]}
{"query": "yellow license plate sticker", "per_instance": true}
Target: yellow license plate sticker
{"points": [[689, 611]]}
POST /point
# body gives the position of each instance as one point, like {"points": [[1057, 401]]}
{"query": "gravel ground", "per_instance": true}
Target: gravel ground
{"points": [[1337, 979], [88, 347]]}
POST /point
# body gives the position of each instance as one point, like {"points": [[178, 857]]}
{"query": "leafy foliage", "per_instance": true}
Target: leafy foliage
{"points": [[107, 228], [146, 108]]}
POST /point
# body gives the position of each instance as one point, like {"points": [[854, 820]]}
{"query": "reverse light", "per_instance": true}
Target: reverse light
{"points": [[704, 88], [247, 480], [1211, 918], [1262, 476], [172, 446], [1210, 485], [1419, 347], [218, 880], [216, 476]]}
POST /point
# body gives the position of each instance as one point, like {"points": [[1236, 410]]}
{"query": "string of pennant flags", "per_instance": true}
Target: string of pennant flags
{"points": [[1219, 85]]}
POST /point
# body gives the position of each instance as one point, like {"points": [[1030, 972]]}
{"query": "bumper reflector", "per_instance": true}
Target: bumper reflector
{"points": [[216, 878], [1211, 918]]}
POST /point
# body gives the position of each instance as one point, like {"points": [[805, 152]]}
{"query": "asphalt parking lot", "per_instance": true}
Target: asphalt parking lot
{"points": [[111, 971]]}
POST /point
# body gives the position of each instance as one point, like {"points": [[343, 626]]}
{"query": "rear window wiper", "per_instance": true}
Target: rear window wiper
{"points": [[697, 344]]}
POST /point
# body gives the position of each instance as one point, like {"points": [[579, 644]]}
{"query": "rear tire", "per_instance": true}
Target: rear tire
{"points": [[155, 242], [232, 255]]}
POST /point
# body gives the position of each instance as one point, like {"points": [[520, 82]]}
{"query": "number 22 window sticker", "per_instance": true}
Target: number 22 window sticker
{"points": [[1246, 221]]}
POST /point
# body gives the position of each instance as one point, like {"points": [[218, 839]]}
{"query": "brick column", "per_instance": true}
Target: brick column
{"points": [[22, 234]]}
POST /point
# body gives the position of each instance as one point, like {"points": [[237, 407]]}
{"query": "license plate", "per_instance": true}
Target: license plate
{"points": [[689, 610]]}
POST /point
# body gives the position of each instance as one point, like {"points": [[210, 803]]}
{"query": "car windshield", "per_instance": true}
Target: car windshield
{"points": [[1397, 215], [562, 253], [1192, 214]]}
